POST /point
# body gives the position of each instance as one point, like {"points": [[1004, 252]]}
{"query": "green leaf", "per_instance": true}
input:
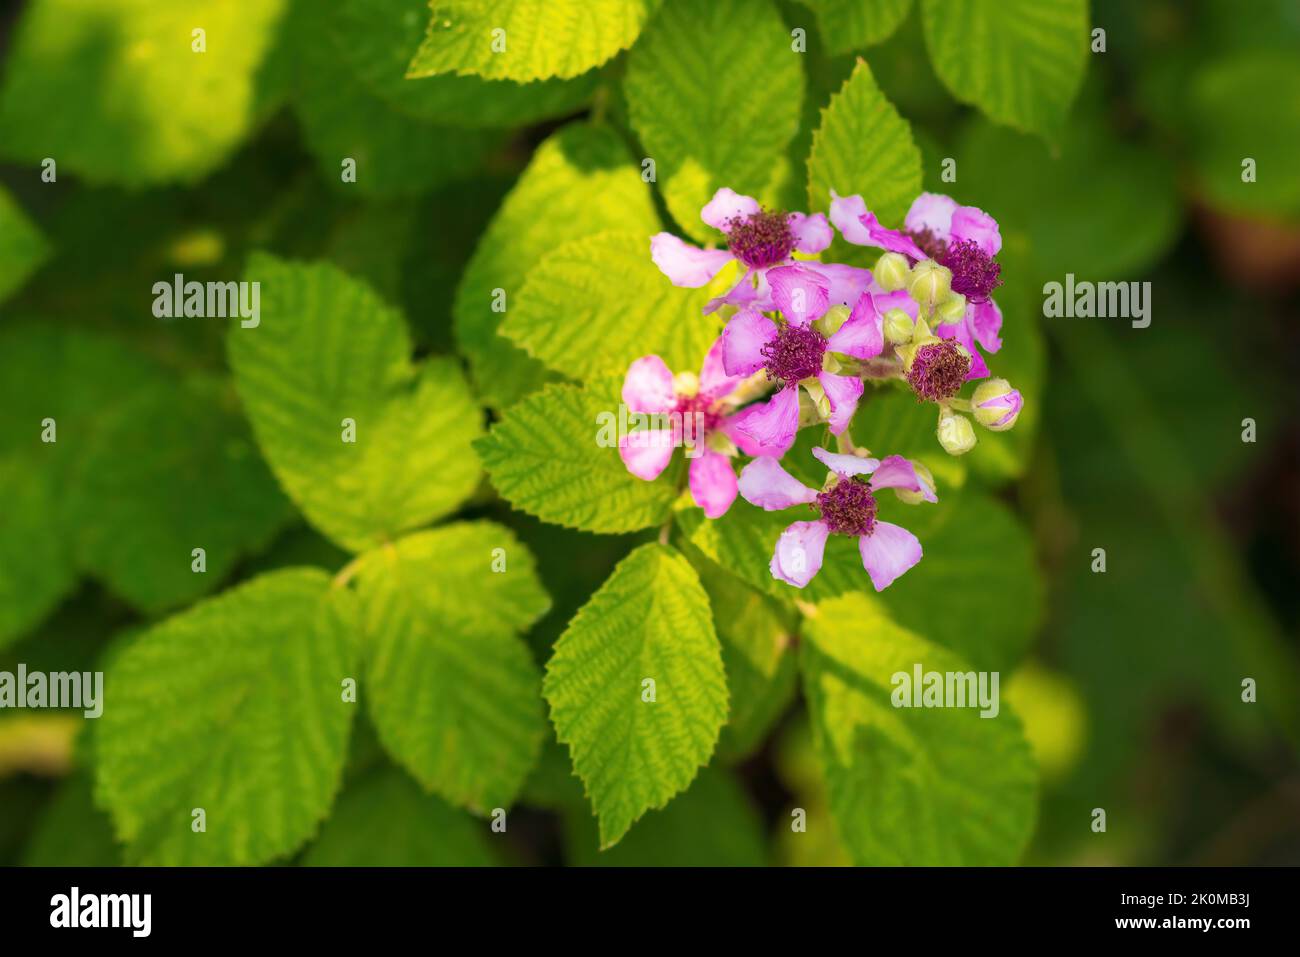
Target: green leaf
{"points": [[22, 247], [37, 569], [554, 455], [452, 688], [234, 707], [384, 821], [581, 181], [864, 146], [650, 620], [72, 832], [378, 38], [712, 824], [595, 304], [852, 24], [526, 40], [328, 349], [910, 786], [736, 133], [115, 93], [1019, 61]]}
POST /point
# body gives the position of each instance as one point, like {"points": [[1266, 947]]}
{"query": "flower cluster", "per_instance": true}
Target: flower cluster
{"points": [[802, 340]]}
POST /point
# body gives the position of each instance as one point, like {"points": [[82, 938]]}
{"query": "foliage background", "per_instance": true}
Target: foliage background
{"points": [[1127, 684]]}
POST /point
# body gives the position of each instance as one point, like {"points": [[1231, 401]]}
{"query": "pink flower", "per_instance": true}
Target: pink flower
{"points": [[759, 239], [793, 352], [691, 409], [964, 239], [846, 506]]}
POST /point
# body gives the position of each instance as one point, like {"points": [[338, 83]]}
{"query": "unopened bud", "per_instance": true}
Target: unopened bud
{"points": [[929, 283], [898, 326], [891, 271], [996, 405], [830, 323], [951, 309], [926, 479], [956, 434]]}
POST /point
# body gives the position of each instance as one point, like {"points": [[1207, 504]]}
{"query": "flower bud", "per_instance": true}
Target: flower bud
{"points": [[929, 283], [924, 475], [956, 434], [890, 271], [951, 309], [898, 327], [996, 405], [830, 323]]}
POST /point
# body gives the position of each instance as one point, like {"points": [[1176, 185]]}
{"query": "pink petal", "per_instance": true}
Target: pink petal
{"points": [[847, 283], [648, 386], [970, 222], [1013, 402], [751, 291], [846, 465], [733, 426], [725, 206], [713, 483], [861, 335], [961, 332], [985, 320], [775, 422], [647, 453], [843, 392], [798, 554], [859, 226], [899, 299], [743, 339], [888, 552], [932, 211], [801, 294], [764, 483], [898, 472], [686, 265], [714, 381], [812, 233]]}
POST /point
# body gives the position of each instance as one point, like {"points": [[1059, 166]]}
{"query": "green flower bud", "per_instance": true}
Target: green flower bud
{"points": [[996, 405], [929, 283], [956, 434], [951, 309], [898, 327], [830, 323], [891, 271], [927, 481]]}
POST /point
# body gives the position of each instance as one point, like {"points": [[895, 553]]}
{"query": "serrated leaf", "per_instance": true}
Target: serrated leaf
{"points": [[22, 247], [547, 457], [910, 786], [863, 146], [452, 688], [852, 24], [234, 707], [1019, 61], [328, 349], [384, 821], [596, 304], [650, 620], [526, 40], [581, 181], [114, 92], [378, 38], [738, 132]]}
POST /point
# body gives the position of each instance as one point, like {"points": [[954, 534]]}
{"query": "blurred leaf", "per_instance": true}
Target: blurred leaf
{"points": [[114, 92], [864, 146], [545, 458], [72, 832], [36, 562], [711, 824], [527, 39], [235, 707], [580, 182], [595, 304], [328, 349], [649, 621], [852, 24], [734, 135], [927, 786], [452, 689], [384, 821], [1019, 61], [22, 247]]}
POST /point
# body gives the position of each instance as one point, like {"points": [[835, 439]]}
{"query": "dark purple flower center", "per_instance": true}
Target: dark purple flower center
{"points": [[848, 508], [974, 273], [760, 239], [933, 247], [795, 354], [938, 370]]}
